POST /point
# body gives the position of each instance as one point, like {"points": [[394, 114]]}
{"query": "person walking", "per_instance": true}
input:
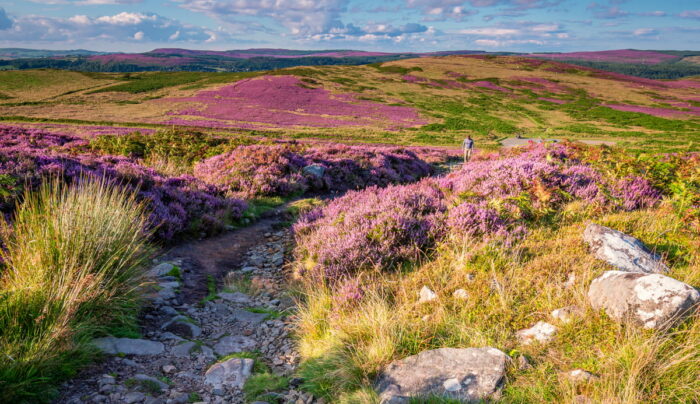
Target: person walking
{"points": [[467, 147]]}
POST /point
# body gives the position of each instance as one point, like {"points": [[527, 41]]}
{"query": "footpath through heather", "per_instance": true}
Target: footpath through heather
{"points": [[201, 344]]}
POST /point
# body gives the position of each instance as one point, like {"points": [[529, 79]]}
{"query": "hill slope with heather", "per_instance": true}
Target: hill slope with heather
{"points": [[430, 100]]}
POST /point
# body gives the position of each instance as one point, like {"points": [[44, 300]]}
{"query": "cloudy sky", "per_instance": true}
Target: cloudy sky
{"points": [[390, 25]]}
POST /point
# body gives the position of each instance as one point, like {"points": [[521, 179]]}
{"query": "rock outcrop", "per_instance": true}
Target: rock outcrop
{"points": [[624, 252], [467, 374], [650, 300]]}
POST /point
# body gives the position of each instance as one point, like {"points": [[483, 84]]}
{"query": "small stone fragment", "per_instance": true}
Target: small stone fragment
{"points": [[541, 332], [426, 295]]}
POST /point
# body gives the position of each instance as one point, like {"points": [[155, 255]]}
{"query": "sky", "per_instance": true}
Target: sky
{"points": [[390, 25]]}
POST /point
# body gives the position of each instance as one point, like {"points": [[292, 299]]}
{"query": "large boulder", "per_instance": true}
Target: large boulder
{"points": [[128, 346], [624, 252], [467, 374], [231, 373], [650, 300]]}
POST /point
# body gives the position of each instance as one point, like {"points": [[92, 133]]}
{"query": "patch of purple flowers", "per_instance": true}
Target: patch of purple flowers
{"points": [[178, 204], [250, 171], [491, 199]]}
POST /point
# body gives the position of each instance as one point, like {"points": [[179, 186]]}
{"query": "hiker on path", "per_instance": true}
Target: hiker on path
{"points": [[467, 147]]}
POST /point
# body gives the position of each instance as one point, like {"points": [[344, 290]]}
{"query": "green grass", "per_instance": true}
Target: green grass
{"points": [[72, 264], [272, 314], [145, 82]]}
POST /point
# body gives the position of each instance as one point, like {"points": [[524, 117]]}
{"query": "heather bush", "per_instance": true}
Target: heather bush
{"points": [[177, 205], [374, 228], [496, 199], [71, 265], [261, 170]]}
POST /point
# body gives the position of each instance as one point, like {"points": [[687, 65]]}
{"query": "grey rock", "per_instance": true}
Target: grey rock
{"points": [[128, 346], [234, 343], [231, 373], [541, 332], [170, 336], [248, 269], [181, 325], [134, 397], [169, 311], [183, 350], [245, 316], [314, 170], [650, 300], [161, 269], [468, 374], [236, 297], [624, 252]]}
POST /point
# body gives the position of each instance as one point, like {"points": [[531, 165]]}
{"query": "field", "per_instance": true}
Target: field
{"points": [[312, 226], [426, 101]]}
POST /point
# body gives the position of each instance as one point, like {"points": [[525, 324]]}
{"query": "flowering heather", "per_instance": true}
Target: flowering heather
{"points": [[490, 86], [177, 204], [138, 59], [376, 227], [284, 101], [615, 56], [278, 169], [487, 199], [660, 112], [538, 84]]}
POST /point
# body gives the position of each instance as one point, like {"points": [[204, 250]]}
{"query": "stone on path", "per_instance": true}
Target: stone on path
{"points": [[182, 326], [186, 349], [426, 295], [161, 269], [245, 316], [624, 252], [128, 346], [231, 373], [234, 344], [236, 297], [650, 300], [468, 374], [541, 332]]}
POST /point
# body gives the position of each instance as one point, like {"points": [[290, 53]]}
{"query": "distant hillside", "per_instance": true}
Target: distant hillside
{"points": [[641, 63], [175, 59]]}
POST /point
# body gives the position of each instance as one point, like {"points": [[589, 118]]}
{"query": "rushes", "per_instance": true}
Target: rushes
{"points": [[71, 268]]}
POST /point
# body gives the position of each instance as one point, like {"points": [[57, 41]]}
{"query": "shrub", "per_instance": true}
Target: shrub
{"points": [[71, 269], [177, 205], [264, 170]]}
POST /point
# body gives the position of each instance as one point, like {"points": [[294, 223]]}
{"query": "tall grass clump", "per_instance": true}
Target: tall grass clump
{"points": [[70, 269]]}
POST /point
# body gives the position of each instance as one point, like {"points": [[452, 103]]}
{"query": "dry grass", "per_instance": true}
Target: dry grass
{"points": [[345, 346], [72, 263]]}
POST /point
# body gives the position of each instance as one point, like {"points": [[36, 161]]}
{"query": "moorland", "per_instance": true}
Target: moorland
{"points": [[295, 234]]}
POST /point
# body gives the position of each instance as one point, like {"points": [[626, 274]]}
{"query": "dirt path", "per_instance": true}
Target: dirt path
{"points": [[202, 347]]}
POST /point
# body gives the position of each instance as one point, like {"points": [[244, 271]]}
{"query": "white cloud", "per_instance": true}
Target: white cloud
{"points": [[645, 32], [301, 18], [489, 31], [690, 14], [118, 27]]}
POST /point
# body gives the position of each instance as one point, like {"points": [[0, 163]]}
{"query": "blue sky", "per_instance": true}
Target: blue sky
{"points": [[391, 25]]}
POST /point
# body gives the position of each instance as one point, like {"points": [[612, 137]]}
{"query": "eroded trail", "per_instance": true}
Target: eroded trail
{"points": [[200, 345]]}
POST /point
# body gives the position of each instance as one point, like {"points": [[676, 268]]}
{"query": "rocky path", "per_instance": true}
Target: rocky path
{"points": [[201, 343]]}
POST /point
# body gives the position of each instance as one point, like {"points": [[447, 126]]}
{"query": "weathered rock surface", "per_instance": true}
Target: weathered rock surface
{"points": [[315, 170], [128, 346], [183, 327], [624, 252], [541, 332], [231, 373], [161, 269], [233, 344], [426, 295], [650, 300], [468, 374]]}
